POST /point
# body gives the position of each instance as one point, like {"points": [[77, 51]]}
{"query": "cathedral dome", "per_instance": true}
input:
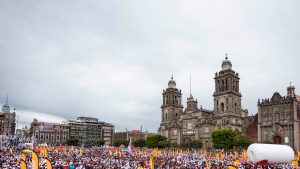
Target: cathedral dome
{"points": [[226, 64], [172, 83]]}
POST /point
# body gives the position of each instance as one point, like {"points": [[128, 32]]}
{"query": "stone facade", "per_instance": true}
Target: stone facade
{"points": [[194, 123], [7, 121], [278, 119], [133, 134], [49, 133]]}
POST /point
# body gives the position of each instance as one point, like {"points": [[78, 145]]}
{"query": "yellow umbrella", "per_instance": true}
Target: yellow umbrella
{"points": [[27, 151]]}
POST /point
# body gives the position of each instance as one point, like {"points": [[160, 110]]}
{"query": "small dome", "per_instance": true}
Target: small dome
{"points": [[226, 64], [172, 83]]}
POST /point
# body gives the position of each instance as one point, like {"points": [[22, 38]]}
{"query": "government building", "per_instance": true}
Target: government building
{"points": [[183, 124], [7, 120]]}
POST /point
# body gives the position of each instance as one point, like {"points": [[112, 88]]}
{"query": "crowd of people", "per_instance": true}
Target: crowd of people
{"points": [[107, 158]]}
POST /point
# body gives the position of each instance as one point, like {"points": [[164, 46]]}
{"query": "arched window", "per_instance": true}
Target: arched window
{"points": [[166, 116], [222, 107]]}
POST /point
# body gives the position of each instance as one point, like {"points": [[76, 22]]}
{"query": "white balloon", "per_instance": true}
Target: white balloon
{"points": [[272, 153]]}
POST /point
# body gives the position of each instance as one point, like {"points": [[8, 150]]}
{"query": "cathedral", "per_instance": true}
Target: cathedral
{"points": [[278, 119], [181, 124]]}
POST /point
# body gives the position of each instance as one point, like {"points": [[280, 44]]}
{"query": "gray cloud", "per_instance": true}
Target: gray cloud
{"points": [[112, 59]]}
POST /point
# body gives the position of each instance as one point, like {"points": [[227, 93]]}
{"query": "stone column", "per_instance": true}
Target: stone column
{"points": [[259, 125], [197, 134], [179, 137]]}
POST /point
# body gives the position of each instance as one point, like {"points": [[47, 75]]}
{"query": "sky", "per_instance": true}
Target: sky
{"points": [[112, 59]]}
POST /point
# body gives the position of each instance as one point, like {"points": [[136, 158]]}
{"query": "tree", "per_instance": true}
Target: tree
{"points": [[139, 143], [174, 144], [192, 144], [98, 142], [184, 145], [195, 144], [223, 138], [118, 143], [242, 141], [72, 142], [153, 140], [267, 142], [163, 144]]}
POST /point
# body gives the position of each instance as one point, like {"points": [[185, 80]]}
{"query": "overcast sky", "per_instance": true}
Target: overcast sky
{"points": [[112, 59]]}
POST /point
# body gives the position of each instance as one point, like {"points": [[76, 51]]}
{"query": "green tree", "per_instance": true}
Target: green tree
{"points": [[139, 143], [118, 143], [183, 145], [223, 138], [192, 144], [153, 140], [72, 142], [242, 141], [174, 144], [163, 144], [195, 144], [98, 142]]}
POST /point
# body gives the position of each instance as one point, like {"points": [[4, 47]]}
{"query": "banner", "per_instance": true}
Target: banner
{"points": [[23, 164], [48, 163], [47, 127], [35, 160]]}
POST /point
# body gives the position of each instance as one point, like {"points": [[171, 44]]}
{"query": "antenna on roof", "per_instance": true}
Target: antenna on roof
{"points": [[190, 84], [6, 100]]}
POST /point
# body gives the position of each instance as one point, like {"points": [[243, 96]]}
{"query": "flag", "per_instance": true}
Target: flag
{"points": [[23, 164], [151, 162], [48, 163], [295, 163], [57, 151], [80, 151], [42, 152], [236, 162], [208, 164], [45, 152], [23, 157], [35, 160], [231, 167], [130, 146]]}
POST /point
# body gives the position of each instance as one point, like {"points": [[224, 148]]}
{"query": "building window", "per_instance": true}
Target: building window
{"points": [[222, 107]]}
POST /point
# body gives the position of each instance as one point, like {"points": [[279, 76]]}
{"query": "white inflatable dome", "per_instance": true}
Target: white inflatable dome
{"points": [[272, 153]]}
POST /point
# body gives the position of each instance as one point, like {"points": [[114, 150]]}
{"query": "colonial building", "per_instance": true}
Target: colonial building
{"points": [[7, 120], [278, 119], [87, 129], [181, 124], [49, 133], [133, 134]]}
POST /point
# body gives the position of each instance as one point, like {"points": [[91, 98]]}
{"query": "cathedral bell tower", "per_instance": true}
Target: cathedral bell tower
{"points": [[227, 97], [171, 107]]}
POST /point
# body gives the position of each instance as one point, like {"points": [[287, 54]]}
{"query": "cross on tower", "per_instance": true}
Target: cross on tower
{"points": [[226, 56]]}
